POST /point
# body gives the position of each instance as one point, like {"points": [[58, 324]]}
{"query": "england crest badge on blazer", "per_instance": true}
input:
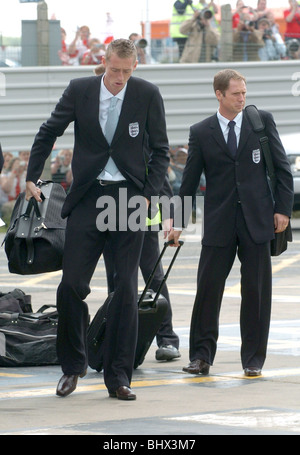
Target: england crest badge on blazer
{"points": [[134, 129], [256, 156]]}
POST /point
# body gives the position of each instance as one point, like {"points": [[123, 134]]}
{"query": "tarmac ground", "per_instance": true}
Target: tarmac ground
{"points": [[173, 409]]}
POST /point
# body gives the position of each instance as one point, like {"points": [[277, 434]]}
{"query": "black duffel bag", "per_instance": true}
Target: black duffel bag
{"points": [[28, 339], [34, 241], [16, 301]]}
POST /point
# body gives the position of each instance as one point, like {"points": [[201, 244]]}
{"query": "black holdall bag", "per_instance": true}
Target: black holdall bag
{"points": [[28, 339], [280, 243], [16, 301], [34, 241]]}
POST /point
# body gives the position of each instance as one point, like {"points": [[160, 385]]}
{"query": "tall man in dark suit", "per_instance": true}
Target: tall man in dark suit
{"points": [[1, 159], [240, 217], [103, 168], [167, 340]]}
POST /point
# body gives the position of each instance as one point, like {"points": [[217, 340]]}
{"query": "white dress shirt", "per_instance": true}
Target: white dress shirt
{"points": [[104, 100], [225, 128]]}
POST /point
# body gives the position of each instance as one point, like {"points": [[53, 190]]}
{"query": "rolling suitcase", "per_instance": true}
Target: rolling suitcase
{"points": [[152, 307]]}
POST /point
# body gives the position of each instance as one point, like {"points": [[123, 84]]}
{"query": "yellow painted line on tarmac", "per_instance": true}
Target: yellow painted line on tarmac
{"points": [[40, 278], [284, 263], [13, 375], [227, 377]]}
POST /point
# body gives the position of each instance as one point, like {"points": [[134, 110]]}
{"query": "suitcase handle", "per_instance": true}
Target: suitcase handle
{"points": [[150, 279]]}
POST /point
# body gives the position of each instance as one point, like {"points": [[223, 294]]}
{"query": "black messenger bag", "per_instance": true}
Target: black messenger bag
{"points": [[34, 241], [280, 243]]}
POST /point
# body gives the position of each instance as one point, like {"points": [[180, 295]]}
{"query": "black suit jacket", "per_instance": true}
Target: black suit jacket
{"points": [[142, 112], [1, 159], [242, 179]]}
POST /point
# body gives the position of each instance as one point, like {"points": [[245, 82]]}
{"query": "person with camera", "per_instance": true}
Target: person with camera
{"points": [[95, 53], [140, 44], [292, 32], [246, 39], [202, 38], [274, 48], [183, 10]]}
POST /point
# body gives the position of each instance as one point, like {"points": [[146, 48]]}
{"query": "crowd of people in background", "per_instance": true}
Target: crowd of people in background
{"points": [[12, 178], [195, 28]]}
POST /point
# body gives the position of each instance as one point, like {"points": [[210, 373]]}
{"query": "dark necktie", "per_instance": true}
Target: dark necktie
{"points": [[231, 141]]}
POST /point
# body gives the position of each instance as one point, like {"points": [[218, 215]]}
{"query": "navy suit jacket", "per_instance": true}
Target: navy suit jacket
{"points": [[243, 179], [142, 118]]}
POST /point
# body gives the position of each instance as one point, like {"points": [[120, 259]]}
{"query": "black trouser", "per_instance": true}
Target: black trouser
{"points": [[256, 291], [149, 256], [83, 247]]}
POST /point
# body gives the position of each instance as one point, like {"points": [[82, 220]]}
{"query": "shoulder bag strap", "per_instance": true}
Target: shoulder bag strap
{"points": [[258, 127]]}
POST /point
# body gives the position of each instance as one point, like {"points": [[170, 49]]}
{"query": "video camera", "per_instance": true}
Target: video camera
{"points": [[204, 13], [267, 34], [142, 43], [292, 47]]}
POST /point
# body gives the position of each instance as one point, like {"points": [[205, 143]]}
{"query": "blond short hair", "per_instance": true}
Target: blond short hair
{"points": [[123, 48]]}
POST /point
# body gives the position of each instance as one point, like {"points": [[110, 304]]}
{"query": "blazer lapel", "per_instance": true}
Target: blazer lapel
{"points": [[129, 107], [218, 134], [219, 137], [92, 97], [246, 130]]}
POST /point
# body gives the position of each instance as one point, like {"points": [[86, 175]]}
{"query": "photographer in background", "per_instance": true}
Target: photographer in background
{"points": [[95, 53], [202, 41], [246, 40], [61, 168], [183, 10], [140, 44], [292, 32], [274, 48]]}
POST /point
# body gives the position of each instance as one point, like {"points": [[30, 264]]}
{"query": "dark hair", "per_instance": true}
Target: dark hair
{"points": [[223, 77]]}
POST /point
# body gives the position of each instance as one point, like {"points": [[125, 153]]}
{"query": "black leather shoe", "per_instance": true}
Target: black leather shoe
{"points": [[252, 371], [123, 393], [67, 384], [197, 367]]}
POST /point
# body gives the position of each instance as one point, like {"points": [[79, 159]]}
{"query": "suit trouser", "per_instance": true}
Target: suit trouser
{"points": [[83, 247], [256, 293], [149, 256]]}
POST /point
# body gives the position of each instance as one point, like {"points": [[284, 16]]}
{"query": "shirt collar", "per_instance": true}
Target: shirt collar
{"points": [[224, 121], [106, 94]]}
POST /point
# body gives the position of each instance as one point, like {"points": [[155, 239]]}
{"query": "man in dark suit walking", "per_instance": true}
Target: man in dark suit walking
{"points": [[105, 165], [240, 216], [1, 159]]}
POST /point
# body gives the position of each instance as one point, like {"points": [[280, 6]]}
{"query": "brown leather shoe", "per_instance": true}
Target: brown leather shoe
{"points": [[197, 367], [252, 371], [67, 384], [123, 393]]}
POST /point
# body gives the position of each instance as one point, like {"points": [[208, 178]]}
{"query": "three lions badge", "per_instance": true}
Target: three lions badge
{"points": [[134, 129], [256, 156]]}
